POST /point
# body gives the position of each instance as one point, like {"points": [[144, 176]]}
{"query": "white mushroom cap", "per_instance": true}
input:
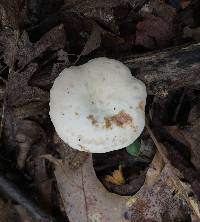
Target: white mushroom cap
{"points": [[98, 107]]}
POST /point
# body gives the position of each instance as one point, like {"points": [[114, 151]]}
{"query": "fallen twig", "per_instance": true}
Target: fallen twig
{"points": [[13, 192]]}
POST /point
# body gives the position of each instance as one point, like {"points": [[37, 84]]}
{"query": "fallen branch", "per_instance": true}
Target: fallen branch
{"points": [[12, 191], [166, 70]]}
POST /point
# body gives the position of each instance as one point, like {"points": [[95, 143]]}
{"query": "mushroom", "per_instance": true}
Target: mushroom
{"points": [[99, 106]]}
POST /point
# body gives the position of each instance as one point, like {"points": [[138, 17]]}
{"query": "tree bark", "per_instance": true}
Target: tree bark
{"points": [[167, 70]]}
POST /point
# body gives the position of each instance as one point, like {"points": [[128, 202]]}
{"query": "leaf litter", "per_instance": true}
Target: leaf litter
{"points": [[170, 191], [83, 195]]}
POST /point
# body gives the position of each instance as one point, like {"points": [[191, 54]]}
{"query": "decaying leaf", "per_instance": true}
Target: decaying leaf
{"points": [[116, 178], [9, 39], [185, 3], [192, 33], [175, 175], [11, 13], [7, 212], [23, 214], [83, 195], [93, 3], [27, 51], [38, 168], [157, 200], [156, 30], [27, 134], [46, 77], [93, 42], [62, 63], [101, 11], [190, 136], [18, 85]]}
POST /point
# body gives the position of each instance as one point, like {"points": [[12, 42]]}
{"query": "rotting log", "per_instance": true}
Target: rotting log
{"points": [[168, 69]]}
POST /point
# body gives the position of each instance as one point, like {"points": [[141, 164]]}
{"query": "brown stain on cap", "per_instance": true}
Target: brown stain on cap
{"points": [[92, 119], [141, 105], [120, 119]]}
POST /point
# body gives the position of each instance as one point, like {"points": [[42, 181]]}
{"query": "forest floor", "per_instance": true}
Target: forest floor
{"points": [[41, 178]]}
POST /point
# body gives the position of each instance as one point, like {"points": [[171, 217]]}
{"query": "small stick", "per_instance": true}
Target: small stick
{"points": [[12, 191]]}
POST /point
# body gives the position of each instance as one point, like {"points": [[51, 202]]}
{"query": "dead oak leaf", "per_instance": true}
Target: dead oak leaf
{"points": [[27, 51], [84, 197], [19, 92]]}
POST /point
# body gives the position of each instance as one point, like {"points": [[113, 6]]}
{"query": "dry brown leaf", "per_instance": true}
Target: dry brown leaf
{"points": [[93, 42], [27, 51], [7, 212], [156, 201], [116, 178], [101, 11], [185, 3], [175, 175], [10, 14], [27, 134], [84, 197], [46, 77], [93, 3], [23, 214], [9, 39], [62, 63], [156, 30]]}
